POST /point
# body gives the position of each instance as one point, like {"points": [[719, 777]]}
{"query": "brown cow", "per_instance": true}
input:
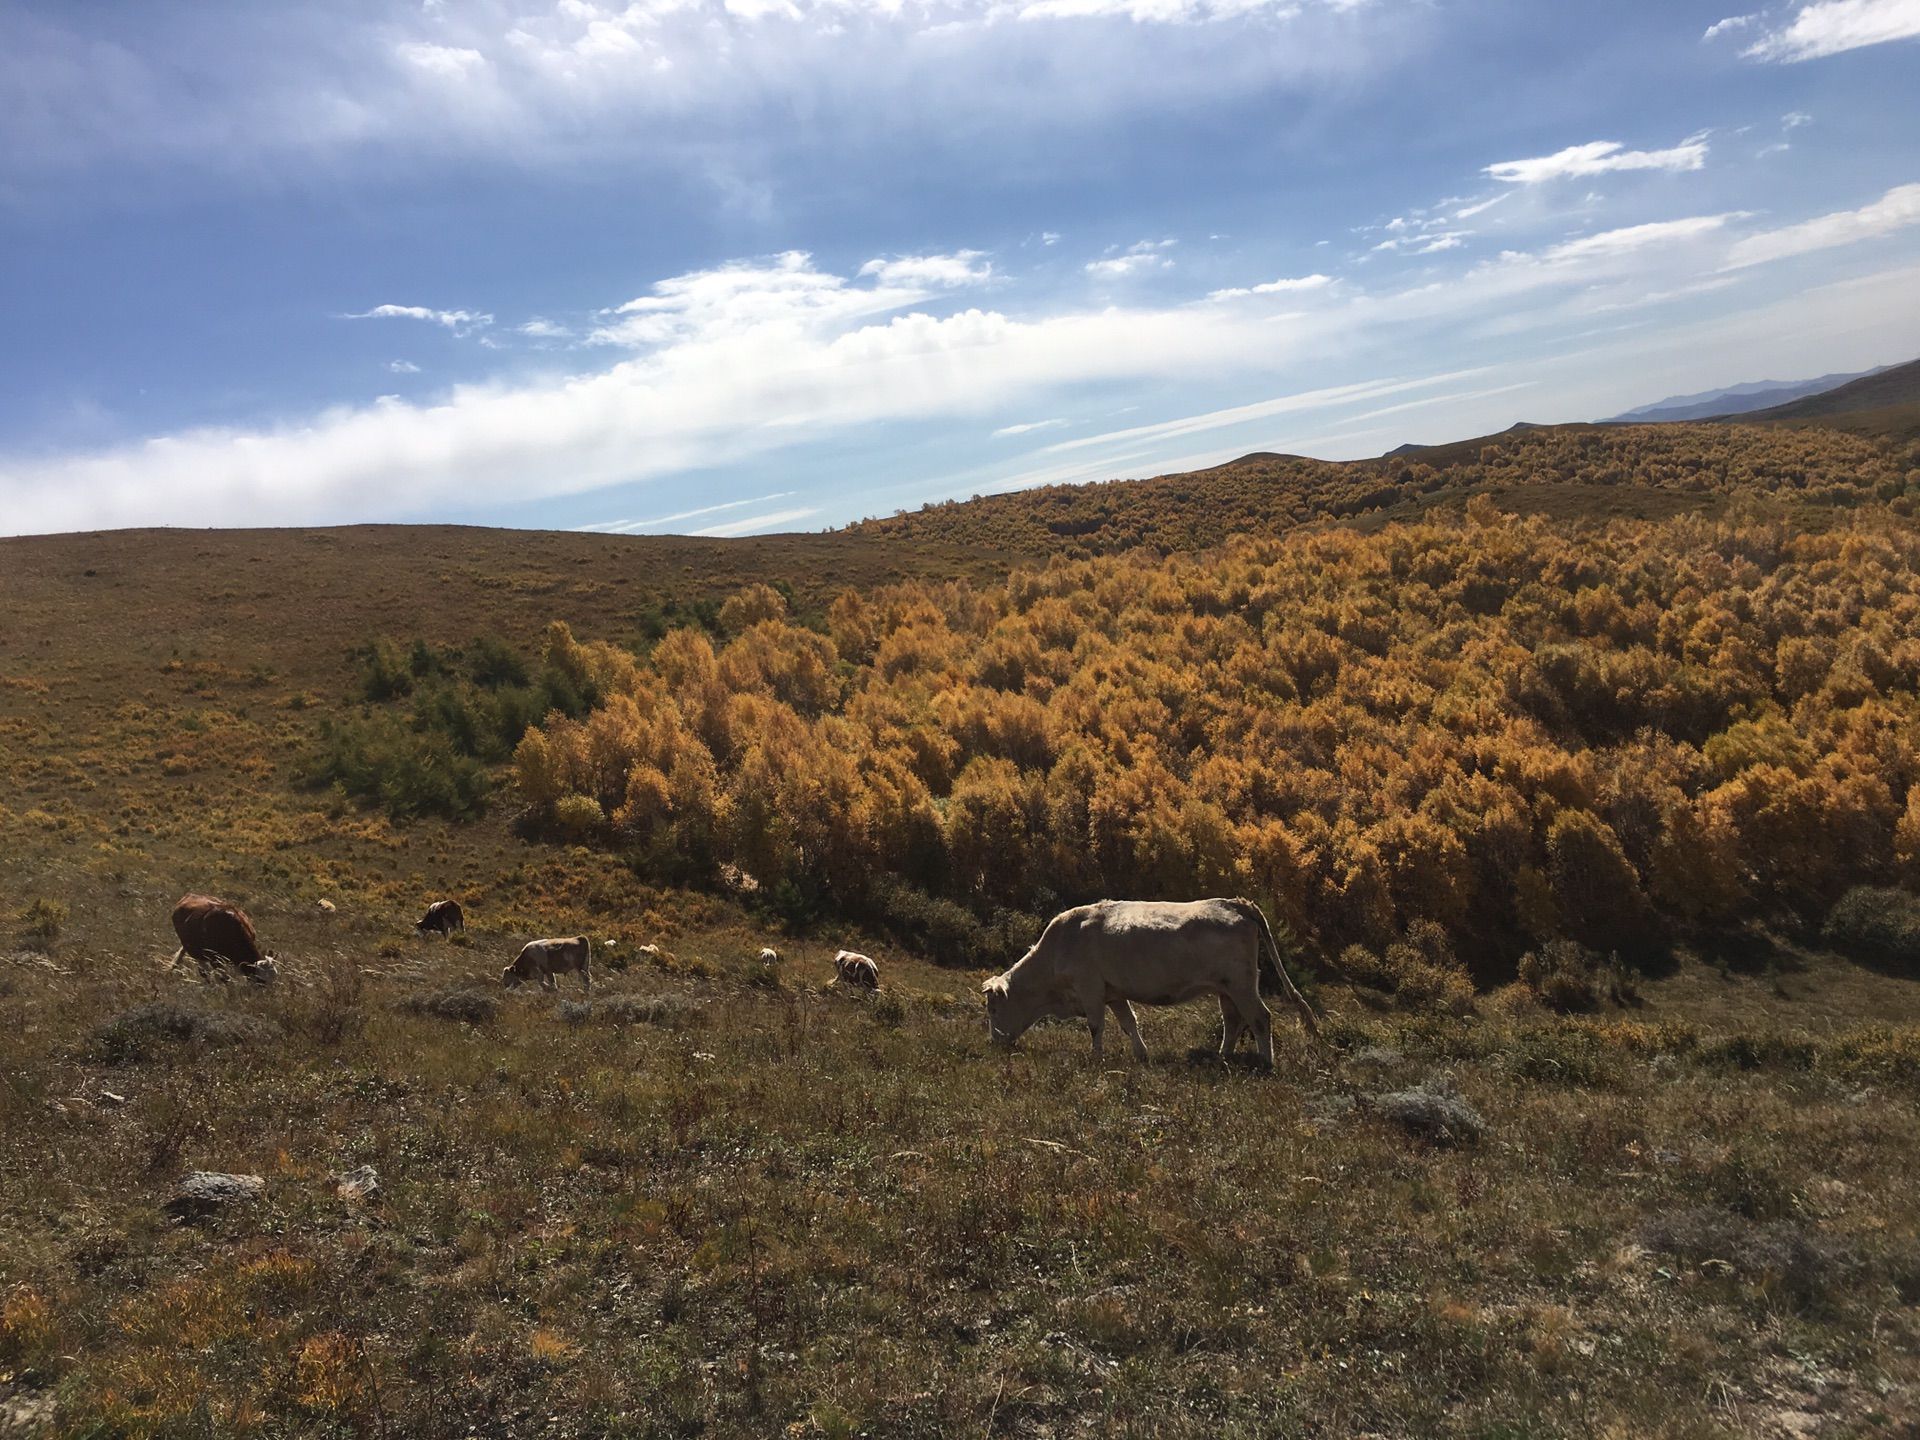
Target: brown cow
{"points": [[543, 959], [217, 934], [443, 917], [854, 969]]}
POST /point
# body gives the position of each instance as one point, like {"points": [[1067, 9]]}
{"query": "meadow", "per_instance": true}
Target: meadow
{"points": [[1521, 1189]]}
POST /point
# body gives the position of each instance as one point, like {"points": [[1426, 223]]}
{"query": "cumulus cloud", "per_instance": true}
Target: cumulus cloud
{"points": [[1598, 157], [1897, 209], [460, 322], [1833, 26], [1136, 259], [539, 329]]}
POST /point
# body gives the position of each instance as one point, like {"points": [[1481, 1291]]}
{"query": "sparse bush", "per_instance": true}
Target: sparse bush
{"points": [[1562, 974], [1882, 925], [1420, 976], [1433, 1110], [1779, 1253], [332, 1012], [144, 1031], [673, 1012], [579, 817], [41, 922], [466, 1005]]}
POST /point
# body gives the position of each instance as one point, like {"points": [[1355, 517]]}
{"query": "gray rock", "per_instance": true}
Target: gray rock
{"points": [[359, 1187], [206, 1193]]}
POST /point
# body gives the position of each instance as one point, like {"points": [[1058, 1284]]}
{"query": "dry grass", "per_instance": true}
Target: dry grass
{"points": [[716, 1201]]}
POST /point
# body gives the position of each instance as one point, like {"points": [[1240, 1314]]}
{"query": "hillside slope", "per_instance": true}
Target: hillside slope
{"points": [[723, 1198], [1884, 406]]}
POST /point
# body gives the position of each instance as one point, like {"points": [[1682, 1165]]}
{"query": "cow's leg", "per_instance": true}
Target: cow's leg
{"points": [[1231, 1028], [547, 982], [1254, 1016], [586, 978], [1123, 1012]]}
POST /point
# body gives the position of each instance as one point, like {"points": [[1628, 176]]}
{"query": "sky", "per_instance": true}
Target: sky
{"points": [[736, 266]]}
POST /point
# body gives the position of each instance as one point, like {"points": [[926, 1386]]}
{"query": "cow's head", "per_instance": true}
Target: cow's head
{"points": [[1008, 1016], [266, 971], [511, 976]]}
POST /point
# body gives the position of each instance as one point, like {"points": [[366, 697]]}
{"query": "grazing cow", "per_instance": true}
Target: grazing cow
{"points": [[854, 969], [769, 956], [443, 917], [542, 960], [217, 934], [327, 907], [1096, 958]]}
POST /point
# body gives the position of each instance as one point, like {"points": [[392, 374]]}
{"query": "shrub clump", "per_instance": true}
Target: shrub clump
{"points": [[1777, 1252], [144, 1031], [1420, 972], [41, 922], [1878, 924], [1563, 975], [676, 1012], [1432, 1110], [468, 1006]]}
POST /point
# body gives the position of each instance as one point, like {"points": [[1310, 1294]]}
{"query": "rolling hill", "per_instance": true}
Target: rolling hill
{"points": [[1732, 400], [1885, 405], [1462, 721]]}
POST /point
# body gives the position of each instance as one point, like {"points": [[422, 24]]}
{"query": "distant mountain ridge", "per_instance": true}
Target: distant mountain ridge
{"points": [[1736, 399]]}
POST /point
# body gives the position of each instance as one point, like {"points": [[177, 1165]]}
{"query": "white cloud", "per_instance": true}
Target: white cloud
{"points": [[403, 367], [1897, 209], [443, 62], [1728, 26], [1833, 26], [1134, 260], [1027, 428], [1049, 237], [460, 322], [539, 329], [754, 524], [1610, 243], [781, 292], [1479, 207], [629, 527], [1276, 287], [1260, 410], [1598, 157], [963, 267], [1794, 119]]}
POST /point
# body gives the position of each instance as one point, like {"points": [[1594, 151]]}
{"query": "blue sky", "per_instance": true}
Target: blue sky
{"points": [[743, 265]]}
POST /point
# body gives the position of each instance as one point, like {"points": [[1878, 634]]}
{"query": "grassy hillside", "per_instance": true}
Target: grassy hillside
{"points": [[1885, 406], [726, 1201]]}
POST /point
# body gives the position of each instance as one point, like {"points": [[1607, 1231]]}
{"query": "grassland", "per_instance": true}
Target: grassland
{"points": [[724, 1202]]}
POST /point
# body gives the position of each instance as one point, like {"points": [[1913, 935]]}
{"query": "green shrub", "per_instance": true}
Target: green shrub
{"points": [[1878, 924], [380, 760]]}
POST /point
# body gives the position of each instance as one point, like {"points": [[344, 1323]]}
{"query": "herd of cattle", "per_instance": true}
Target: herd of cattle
{"points": [[1089, 961]]}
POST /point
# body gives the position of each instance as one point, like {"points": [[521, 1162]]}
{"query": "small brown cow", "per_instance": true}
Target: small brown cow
{"points": [[850, 968], [443, 917], [542, 960], [217, 935]]}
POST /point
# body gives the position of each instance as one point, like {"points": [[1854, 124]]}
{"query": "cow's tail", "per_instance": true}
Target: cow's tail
{"points": [[1271, 954]]}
